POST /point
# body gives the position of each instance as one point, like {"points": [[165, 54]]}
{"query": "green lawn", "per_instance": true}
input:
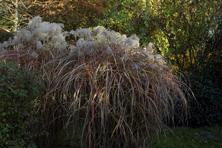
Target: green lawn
{"points": [[190, 138], [181, 137]]}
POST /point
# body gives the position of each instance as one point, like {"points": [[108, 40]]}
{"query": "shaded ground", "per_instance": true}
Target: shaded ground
{"points": [[190, 138], [181, 137]]}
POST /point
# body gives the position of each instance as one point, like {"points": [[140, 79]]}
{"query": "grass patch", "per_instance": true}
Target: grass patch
{"points": [[184, 137]]}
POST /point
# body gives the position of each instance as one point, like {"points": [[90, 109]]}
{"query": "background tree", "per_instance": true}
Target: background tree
{"points": [[72, 13], [186, 26], [15, 13], [120, 15]]}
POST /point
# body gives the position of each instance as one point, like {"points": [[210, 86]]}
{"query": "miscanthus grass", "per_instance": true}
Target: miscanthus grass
{"points": [[103, 84]]}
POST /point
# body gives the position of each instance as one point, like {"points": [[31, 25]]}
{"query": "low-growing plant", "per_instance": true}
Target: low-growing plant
{"points": [[19, 88], [103, 84]]}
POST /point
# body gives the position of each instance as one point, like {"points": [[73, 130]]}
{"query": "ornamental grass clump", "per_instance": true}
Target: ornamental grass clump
{"points": [[104, 85]]}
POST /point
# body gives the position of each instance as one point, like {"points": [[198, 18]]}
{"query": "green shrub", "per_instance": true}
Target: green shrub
{"points": [[18, 90], [206, 109]]}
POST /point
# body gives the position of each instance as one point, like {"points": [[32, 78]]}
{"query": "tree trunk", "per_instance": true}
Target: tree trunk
{"points": [[16, 16]]}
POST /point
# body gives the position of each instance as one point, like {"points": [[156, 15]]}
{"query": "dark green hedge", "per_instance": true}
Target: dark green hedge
{"points": [[19, 88], [207, 108]]}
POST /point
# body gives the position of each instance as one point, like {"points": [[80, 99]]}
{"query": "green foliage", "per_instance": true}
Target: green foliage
{"points": [[186, 27], [72, 13], [15, 13], [120, 15], [147, 29], [206, 83], [183, 137], [18, 91], [211, 59], [4, 35], [206, 109], [4, 21]]}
